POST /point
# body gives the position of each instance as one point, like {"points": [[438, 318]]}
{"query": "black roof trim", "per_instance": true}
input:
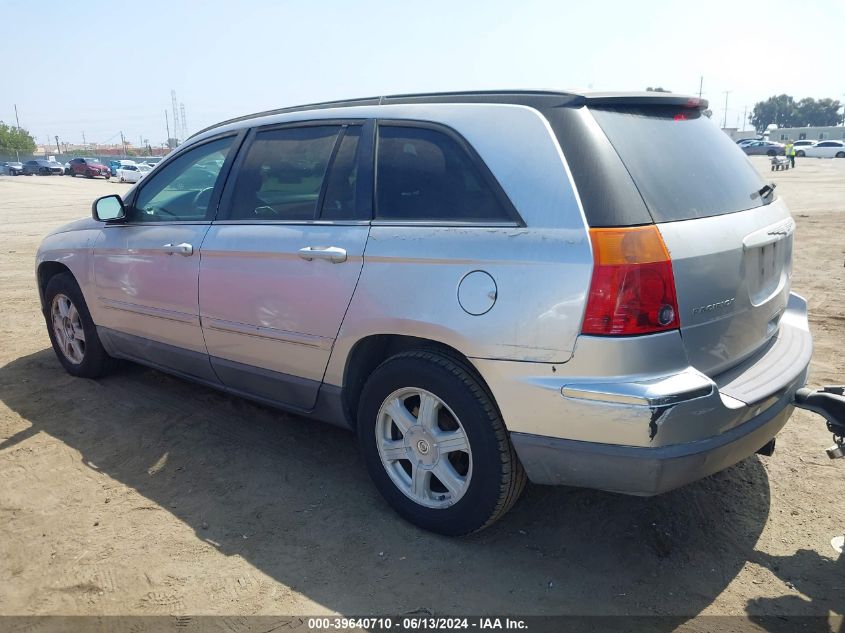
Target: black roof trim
{"points": [[532, 98]]}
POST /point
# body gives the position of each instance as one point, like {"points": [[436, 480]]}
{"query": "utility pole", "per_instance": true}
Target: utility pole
{"points": [[17, 120], [58, 148], [744, 117], [84, 143], [184, 122], [725, 119], [700, 86], [167, 123], [123, 142]]}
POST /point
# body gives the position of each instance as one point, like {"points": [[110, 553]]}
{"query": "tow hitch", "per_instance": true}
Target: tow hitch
{"points": [[828, 402]]}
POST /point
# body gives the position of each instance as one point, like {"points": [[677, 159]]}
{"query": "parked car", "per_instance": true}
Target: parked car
{"points": [[615, 313], [823, 149], [114, 165], [42, 167], [88, 167], [764, 148], [804, 143], [747, 141], [133, 173], [11, 168]]}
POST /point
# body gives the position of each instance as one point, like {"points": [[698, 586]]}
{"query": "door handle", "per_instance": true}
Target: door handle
{"points": [[178, 249], [334, 254]]}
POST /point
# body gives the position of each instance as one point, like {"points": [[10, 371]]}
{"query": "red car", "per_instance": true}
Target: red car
{"points": [[88, 167]]}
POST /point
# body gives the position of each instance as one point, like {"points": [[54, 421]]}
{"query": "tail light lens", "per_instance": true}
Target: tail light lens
{"points": [[633, 288]]}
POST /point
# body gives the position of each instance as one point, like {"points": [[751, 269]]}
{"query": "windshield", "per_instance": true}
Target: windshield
{"points": [[683, 165]]}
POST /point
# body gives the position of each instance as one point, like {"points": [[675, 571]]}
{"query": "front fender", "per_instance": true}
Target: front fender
{"points": [[72, 250]]}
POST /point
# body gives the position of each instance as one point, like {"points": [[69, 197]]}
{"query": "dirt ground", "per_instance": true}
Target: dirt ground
{"points": [[144, 494]]}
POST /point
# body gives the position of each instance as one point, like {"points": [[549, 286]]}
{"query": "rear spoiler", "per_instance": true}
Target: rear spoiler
{"points": [[644, 98]]}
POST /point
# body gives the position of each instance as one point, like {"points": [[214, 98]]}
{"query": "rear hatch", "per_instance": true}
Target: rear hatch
{"points": [[729, 238]]}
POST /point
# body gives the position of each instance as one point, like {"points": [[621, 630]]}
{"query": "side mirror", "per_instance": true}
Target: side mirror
{"points": [[108, 208]]}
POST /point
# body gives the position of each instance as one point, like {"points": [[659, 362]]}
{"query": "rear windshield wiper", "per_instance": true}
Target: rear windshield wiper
{"points": [[766, 191]]}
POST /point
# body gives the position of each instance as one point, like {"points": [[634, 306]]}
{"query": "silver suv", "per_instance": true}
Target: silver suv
{"points": [[580, 289]]}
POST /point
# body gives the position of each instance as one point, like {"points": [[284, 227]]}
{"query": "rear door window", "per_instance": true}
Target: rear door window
{"points": [[282, 174], [339, 201], [424, 174], [684, 166]]}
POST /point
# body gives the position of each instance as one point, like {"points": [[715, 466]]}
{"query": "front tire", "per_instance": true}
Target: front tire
{"points": [[435, 444], [72, 332], [800, 153], [840, 154]]}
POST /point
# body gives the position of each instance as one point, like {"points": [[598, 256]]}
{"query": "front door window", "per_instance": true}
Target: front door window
{"points": [[181, 191]]}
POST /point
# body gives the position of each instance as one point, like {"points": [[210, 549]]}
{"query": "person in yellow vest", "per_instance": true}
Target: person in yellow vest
{"points": [[789, 151]]}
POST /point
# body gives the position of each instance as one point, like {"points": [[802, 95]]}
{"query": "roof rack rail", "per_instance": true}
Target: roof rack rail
{"points": [[545, 98]]}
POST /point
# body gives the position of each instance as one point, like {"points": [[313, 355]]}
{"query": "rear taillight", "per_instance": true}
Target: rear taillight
{"points": [[633, 288]]}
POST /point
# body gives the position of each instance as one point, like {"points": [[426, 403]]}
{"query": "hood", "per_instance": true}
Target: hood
{"points": [[77, 225]]}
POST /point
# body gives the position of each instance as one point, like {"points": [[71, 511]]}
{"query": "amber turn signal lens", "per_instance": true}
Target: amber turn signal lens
{"points": [[634, 245]]}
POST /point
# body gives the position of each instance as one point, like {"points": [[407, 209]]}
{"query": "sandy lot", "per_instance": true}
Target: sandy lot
{"points": [[143, 494]]}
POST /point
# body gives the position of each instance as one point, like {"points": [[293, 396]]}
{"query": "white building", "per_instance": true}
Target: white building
{"points": [[828, 133]]}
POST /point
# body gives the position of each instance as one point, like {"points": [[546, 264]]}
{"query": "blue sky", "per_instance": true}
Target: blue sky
{"points": [[109, 66]]}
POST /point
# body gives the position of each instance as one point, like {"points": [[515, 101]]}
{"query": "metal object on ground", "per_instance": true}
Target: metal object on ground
{"points": [[828, 402]]}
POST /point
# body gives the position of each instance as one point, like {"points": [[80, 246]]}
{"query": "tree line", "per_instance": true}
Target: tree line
{"points": [[14, 139], [784, 111]]}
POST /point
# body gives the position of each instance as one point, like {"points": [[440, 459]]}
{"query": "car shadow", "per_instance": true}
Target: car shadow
{"points": [[292, 497]]}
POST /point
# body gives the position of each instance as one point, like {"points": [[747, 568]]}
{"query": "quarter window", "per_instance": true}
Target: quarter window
{"points": [[181, 190], [282, 175], [424, 174]]}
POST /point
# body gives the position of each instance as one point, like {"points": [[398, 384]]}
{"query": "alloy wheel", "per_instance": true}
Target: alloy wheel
{"points": [[67, 328], [424, 448]]}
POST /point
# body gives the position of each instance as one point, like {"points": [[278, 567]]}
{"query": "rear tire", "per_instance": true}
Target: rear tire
{"points": [[840, 154], [800, 153], [448, 427], [72, 332]]}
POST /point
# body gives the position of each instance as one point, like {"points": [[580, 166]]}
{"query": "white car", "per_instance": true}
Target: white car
{"points": [[133, 173], [822, 149]]}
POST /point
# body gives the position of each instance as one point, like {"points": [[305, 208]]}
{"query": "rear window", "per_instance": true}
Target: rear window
{"points": [[684, 166]]}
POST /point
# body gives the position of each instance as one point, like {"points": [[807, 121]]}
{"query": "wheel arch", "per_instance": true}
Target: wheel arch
{"points": [[370, 351], [46, 271]]}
